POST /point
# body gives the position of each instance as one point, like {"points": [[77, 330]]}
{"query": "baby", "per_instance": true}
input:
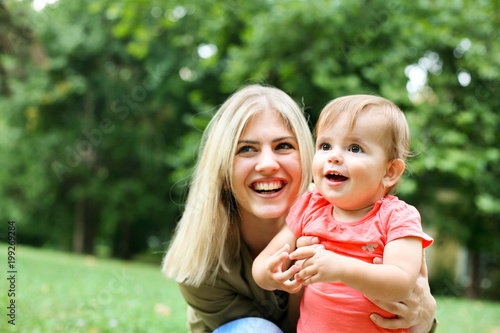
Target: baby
{"points": [[362, 143]]}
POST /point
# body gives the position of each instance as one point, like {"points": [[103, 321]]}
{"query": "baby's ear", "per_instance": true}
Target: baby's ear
{"points": [[395, 169]]}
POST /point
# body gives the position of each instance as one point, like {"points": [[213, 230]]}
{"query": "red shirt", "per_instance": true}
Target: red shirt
{"points": [[333, 306]]}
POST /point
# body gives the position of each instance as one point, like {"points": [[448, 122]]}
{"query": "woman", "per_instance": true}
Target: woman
{"points": [[255, 161]]}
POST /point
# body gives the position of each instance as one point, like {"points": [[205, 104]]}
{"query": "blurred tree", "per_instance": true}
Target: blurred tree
{"points": [[92, 126], [115, 96], [457, 124], [438, 62]]}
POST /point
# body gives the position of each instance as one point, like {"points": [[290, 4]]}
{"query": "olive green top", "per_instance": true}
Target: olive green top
{"points": [[234, 295]]}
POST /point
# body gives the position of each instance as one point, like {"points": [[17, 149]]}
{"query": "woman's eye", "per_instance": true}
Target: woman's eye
{"points": [[355, 149], [245, 149], [285, 145]]}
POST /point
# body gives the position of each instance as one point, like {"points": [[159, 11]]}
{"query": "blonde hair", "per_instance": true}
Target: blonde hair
{"points": [[207, 237], [396, 130]]}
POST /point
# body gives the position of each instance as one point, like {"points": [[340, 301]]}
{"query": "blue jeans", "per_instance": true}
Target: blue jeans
{"points": [[249, 325]]}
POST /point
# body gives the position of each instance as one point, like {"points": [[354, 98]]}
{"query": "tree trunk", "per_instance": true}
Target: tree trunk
{"points": [[84, 232], [122, 241], [473, 288]]}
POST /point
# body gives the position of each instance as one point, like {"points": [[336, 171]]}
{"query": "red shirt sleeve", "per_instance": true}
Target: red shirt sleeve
{"points": [[404, 221]]}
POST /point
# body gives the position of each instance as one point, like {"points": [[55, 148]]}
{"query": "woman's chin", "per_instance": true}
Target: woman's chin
{"points": [[268, 213]]}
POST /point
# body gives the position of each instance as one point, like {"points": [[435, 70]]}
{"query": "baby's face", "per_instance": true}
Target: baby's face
{"points": [[349, 165]]}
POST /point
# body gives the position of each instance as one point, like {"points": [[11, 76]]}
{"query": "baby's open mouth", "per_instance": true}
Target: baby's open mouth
{"points": [[336, 177], [268, 187]]}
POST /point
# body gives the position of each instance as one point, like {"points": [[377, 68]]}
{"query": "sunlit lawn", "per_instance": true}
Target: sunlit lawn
{"points": [[464, 315], [60, 292]]}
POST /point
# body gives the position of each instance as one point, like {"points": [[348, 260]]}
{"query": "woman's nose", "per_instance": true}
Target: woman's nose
{"points": [[267, 162]]}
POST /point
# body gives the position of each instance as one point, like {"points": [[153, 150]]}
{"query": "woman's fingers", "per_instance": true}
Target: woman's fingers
{"points": [[423, 267], [388, 323], [378, 261]]}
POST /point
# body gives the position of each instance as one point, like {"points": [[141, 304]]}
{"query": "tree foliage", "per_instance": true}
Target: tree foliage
{"points": [[103, 104]]}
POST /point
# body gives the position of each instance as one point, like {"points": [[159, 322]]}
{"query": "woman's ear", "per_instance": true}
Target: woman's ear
{"points": [[395, 169]]}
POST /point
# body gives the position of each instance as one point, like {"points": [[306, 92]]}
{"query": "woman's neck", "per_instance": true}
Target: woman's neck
{"points": [[258, 232]]}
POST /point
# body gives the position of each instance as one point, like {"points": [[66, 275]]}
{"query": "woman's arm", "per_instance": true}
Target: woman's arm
{"points": [[416, 312], [391, 282], [270, 268]]}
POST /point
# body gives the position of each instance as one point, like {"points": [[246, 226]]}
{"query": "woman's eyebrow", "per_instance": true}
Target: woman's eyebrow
{"points": [[285, 138], [248, 141]]}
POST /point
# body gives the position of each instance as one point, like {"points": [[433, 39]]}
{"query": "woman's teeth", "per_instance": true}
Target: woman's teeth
{"points": [[267, 187]]}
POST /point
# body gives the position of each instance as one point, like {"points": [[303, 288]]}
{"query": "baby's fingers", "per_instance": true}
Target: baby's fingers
{"points": [[277, 259], [305, 275], [292, 287], [305, 252], [299, 263], [282, 278], [289, 273], [283, 281]]}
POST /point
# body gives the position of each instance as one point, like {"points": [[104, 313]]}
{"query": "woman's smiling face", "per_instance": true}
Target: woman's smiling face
{"points": [[266, 169]]}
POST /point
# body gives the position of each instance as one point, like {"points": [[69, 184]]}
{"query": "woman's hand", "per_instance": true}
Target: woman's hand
{"points": [[417, 312]]}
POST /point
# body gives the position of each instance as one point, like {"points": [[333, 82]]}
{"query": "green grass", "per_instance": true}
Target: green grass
{"points": [[465, 315], [61, 292]]}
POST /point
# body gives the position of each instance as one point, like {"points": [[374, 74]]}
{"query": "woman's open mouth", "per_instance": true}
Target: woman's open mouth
{"points": [[268, 187]]}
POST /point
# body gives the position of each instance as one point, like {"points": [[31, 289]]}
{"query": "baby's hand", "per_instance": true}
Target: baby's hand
{"points": [[279, 279], [318, 264]]}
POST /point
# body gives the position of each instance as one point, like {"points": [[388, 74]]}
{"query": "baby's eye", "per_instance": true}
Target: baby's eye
{"points": [[355, 149], [325, 146]]}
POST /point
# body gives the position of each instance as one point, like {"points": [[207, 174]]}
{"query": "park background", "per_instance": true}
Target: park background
{"points": [[102, 107]]}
